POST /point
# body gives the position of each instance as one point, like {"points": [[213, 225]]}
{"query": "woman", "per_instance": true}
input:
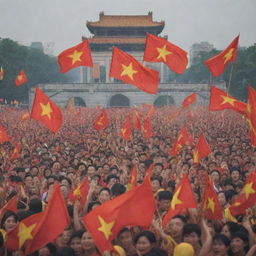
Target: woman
{"points": [[9, 221], [75, 242], [104, 195], [88, 246], [145, 244], [239, 244]]}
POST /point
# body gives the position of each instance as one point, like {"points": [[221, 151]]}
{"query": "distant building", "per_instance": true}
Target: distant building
{"points": [[49, 48], [197, 48]]}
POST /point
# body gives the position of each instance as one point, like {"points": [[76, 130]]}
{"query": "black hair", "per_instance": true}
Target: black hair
{"points": [[181, 217], [78, 233], [118, 189], [91, 204], [6, 216], [65, 251], [111, 176], [221, 238], [35, 205], [148, 234], [123, 230], [164, 195], [229, 194], [156, 252], [191, 227]]}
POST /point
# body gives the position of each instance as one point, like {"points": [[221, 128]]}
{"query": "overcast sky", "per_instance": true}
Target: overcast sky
{"points": [[186, 21]]}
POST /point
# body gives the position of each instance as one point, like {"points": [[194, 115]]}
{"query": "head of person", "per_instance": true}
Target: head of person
{"points": [[87, 242], [230, 228], [215, 176], [156, 183], [117, 189], [144, 242], [220, 244], [104, 195], [175, 226], [239, 243], [163, 200], [9, 221], [75, 242], [125, 239], [47, 250], [191, 234]]}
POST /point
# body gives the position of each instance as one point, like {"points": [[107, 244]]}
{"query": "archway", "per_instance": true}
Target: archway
{"points": [[119, 100], [76, 101], [164, 100]]}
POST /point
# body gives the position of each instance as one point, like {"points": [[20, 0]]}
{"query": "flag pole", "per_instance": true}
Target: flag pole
{"points": [[230, 77]]}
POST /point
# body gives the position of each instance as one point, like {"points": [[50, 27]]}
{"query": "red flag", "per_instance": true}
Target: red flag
{"points": [[189, 100], [218, 63], [183, 139], [183, 198], [133, 179], [3, 135], [25, 116], [211, 206], [102, 121], [80, 192], [133, 208], [79, 55], [247, 197], [250, 114], [147, 128], [11, 205], [1, 73], [17, 238], [126, 68], [46, 111], [160, 50], [21, 78], [151, 111], [126, 128], [50, 225], [201, 150], [137, 118], [16, 152], [220, 100]]}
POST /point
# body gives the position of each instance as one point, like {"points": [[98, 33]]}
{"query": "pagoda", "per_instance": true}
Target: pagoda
{"points": [[127, 32]]}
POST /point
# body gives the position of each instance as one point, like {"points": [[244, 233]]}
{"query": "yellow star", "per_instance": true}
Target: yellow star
{"points": [[123, 131], [228, 100], [20, 77], [75, 56], [210, 204], [249, 108], [180, 137], [163, 53], [128, 71], [77, 191], [175, 199], [228, 55], [105, 227], [46, 109], [196, 157], [25, 233], [100, 121], [248, 189]]}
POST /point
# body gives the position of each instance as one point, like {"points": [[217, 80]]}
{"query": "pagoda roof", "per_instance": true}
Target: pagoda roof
{"points": [[125, 21], [116, 40]]}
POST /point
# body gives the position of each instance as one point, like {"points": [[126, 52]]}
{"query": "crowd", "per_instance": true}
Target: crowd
{"points": [[78, 151]]}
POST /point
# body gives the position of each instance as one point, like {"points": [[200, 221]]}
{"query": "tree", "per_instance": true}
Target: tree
{"points": [[39, 68]]}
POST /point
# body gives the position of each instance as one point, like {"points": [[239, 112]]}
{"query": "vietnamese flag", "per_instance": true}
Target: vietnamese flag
{"points": [[1, 73], [126, 68], [16, 152], [218, 63], [211, 206], [160, 50], [247, 197], [17, 238], [21, 78], [11, 205], [126, 128], [147, 128], [220, 100], [137, 119], [250, 114], [133, 208], [102, 121], [46, 111], [189, 100], [183, 198], [183, 139], [79, 55], [201, 150], [53, 222], [80, 193], [3, 135], [133, 179]]}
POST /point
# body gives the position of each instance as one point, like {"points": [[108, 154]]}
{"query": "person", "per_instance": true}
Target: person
{"points": [[75, 242], [104, 195], [239, 244], [9, 221], [88, 246], [125, 240], [145, 243]]}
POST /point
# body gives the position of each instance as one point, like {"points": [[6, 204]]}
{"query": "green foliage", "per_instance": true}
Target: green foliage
{"points": [[39, 68], [244, 72]]}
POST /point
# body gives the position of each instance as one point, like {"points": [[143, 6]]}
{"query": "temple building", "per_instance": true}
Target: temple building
{"points": [[127, 32]]}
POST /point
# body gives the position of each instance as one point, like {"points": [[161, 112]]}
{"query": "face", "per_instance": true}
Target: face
{"points": [[91, 171], [215, 177], [44, 252], [125, 239], [192, 239], [163, 205], [75, 244], [222, 199], [235, 176], [87, 242], [104, 196], [237, 245], [143, 245], [225, 231], [9, 223], [155, 185], [219, 248], [174, 228]]}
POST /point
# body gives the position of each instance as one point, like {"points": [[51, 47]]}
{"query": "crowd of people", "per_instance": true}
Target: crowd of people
{"points": [[78, 151]]}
